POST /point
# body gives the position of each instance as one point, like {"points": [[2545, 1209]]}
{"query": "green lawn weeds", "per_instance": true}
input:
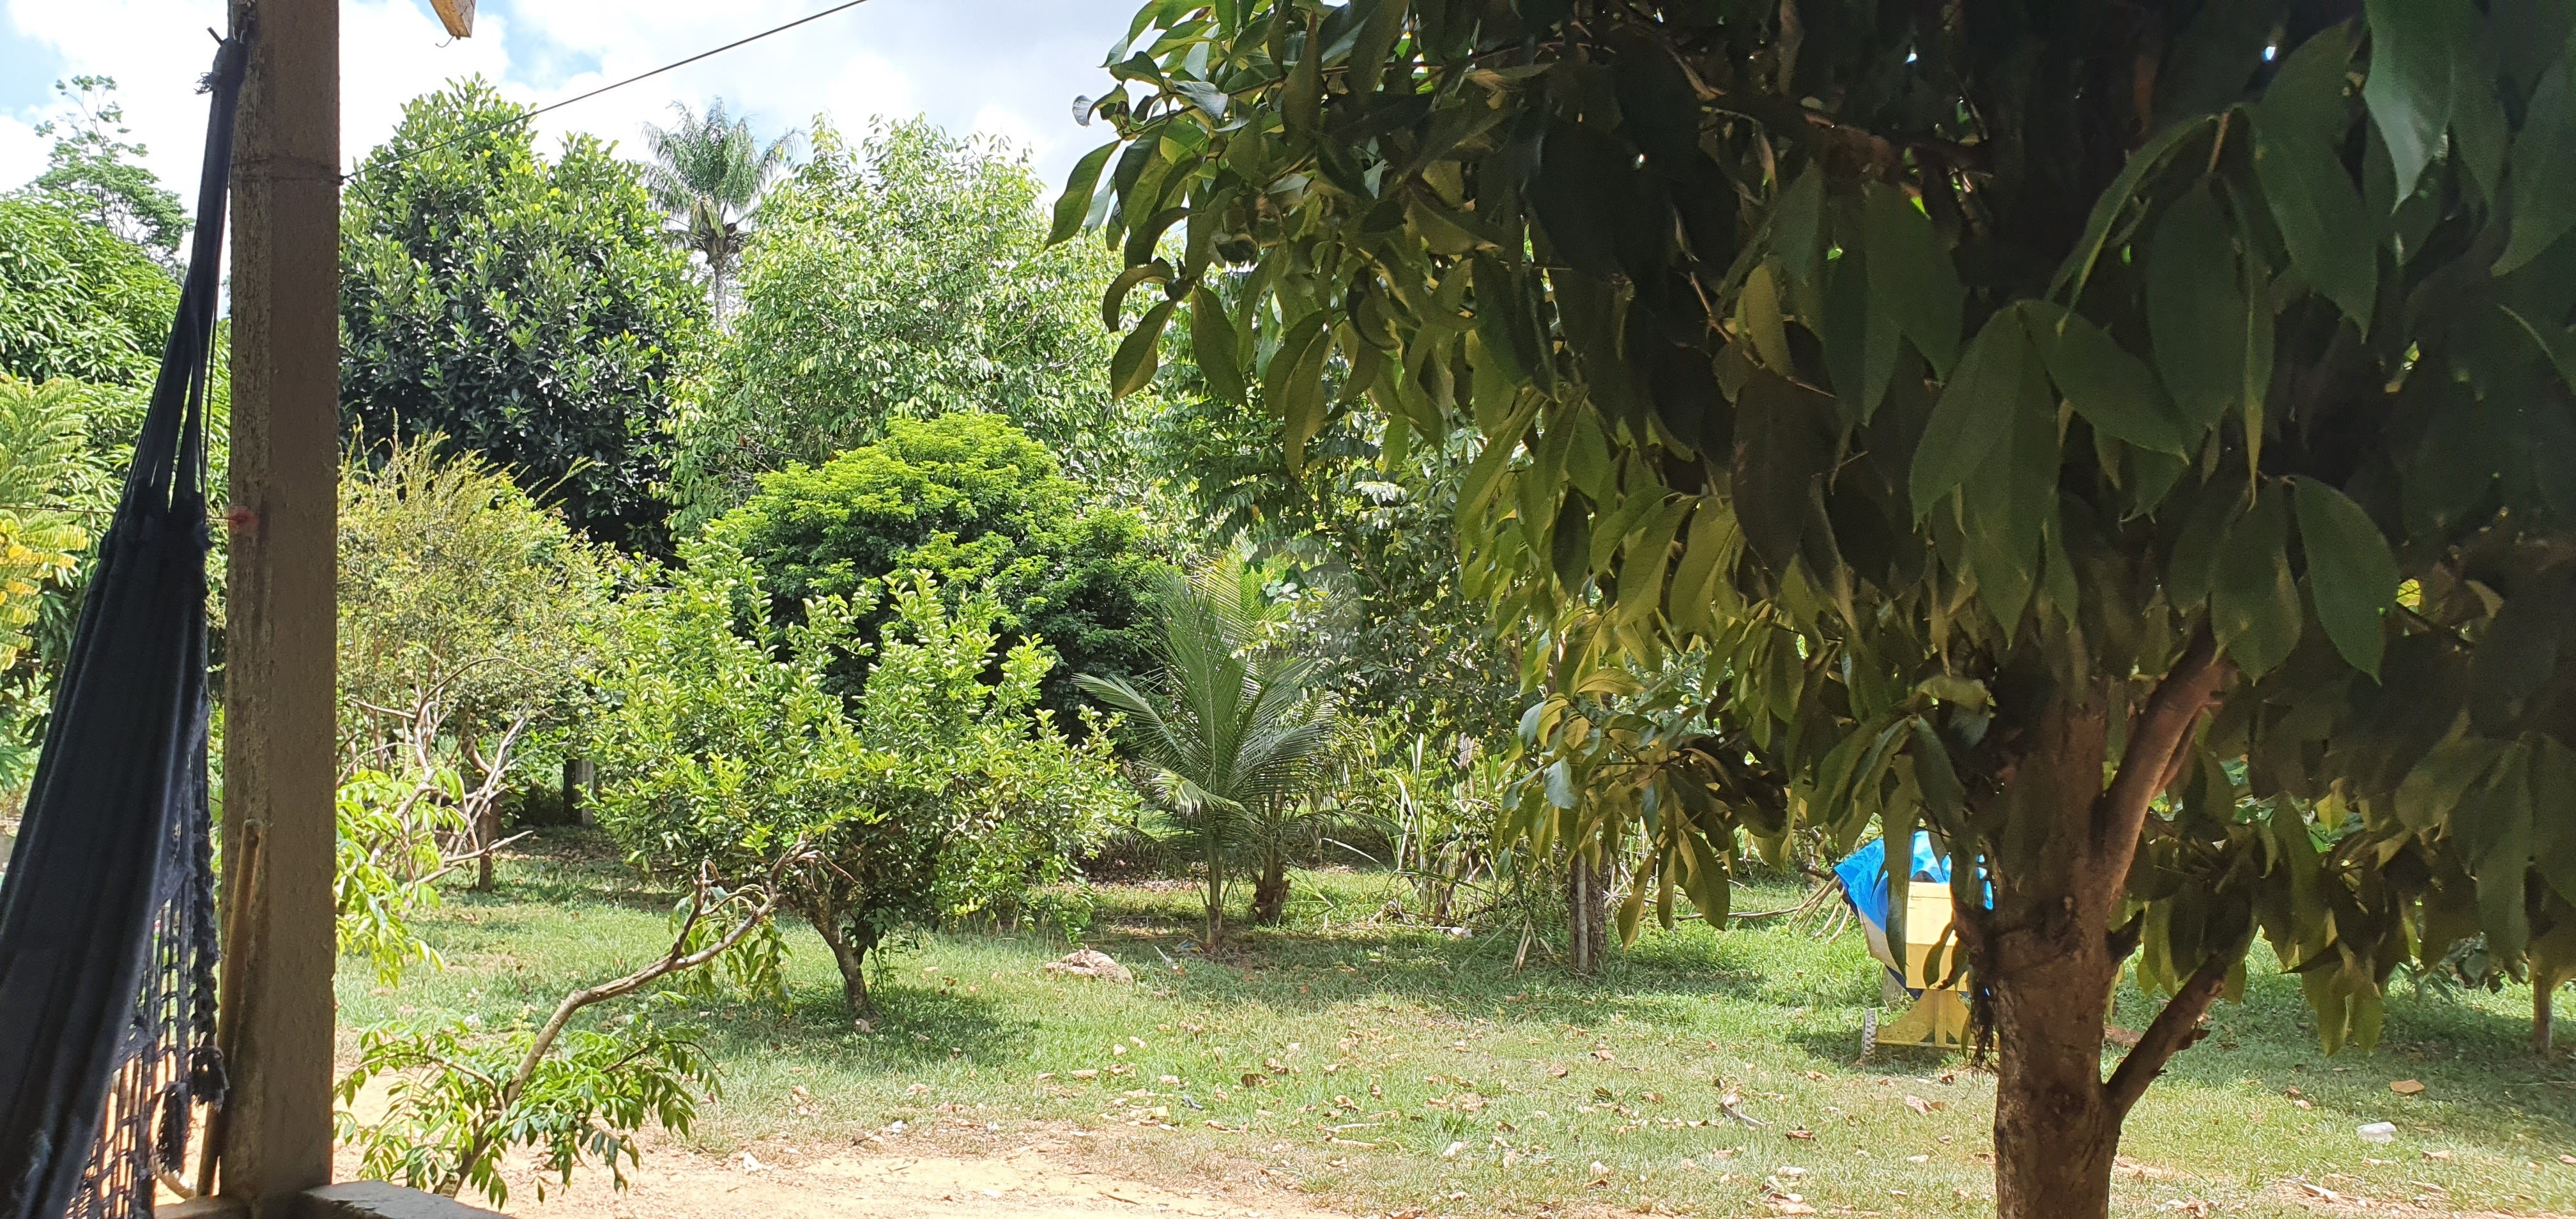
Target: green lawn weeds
{"points": [[1382, 1067]]}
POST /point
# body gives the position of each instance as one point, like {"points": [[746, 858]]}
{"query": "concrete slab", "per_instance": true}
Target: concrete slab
{"points": [[378, 1200]]}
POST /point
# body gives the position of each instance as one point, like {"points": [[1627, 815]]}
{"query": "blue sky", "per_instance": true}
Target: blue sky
{"points": [[1004, 67]]}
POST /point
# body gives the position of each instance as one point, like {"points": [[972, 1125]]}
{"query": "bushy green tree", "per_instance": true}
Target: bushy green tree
{"points": [[527, 308], [980, 505], [469, 617], [2031, 409], [934, 795], [903, 275], [95, 174], [76, 300]]}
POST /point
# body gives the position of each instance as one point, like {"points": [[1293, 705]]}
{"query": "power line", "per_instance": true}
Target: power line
{"points": [[530, 116]]}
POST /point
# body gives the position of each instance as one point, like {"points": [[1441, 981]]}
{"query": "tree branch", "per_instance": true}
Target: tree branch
{"points": [[674, 961], [2156, 735], [2174, 1030]]}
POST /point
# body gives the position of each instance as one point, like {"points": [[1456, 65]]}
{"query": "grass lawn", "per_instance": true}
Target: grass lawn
{"points": [[1402, 1069]]}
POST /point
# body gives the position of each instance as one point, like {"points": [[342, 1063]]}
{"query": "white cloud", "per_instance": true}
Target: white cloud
{"points": [[1004, 67], [22, 153], [392, 51]]}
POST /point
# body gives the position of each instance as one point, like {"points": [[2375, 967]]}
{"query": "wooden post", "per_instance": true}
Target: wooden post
{"points": [[281, 612]]}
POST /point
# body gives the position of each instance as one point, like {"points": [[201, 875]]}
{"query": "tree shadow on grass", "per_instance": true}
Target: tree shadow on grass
{"points": [[914, 1027], [565, 866], [1663, 978], [2480, 1081]]}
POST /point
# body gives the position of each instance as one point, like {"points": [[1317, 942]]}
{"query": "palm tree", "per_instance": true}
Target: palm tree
{"points": [[1233, 733], [708, 173]]}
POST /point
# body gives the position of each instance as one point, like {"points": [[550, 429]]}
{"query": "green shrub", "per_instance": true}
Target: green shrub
{"points": [[975, 502], [932, 796]]}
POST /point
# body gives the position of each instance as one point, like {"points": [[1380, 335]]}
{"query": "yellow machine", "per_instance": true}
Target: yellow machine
{"points": [[1938, 1017]]}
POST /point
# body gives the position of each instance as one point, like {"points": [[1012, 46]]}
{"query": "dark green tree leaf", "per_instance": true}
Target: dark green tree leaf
{"points": [[1974, 411], [2196, 310], [2253, 603], [2409, 86], [1911, 278], [2297, 130], [1293, 385], [2544, 162], [1075, 203], [1212, 345], [2111, 389], [1780, 452], [2352, 577], [1140, 354]]}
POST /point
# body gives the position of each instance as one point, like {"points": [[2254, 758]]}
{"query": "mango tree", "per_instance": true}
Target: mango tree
{"points": [[2082, 428]]}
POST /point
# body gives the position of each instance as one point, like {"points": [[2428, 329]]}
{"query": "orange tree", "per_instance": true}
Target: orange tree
{"points": [[2023, 412]]}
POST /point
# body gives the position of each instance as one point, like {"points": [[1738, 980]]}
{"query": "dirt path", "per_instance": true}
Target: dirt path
{"points": [[1040, 1180]]}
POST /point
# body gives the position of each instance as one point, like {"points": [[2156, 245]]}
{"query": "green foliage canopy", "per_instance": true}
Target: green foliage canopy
{"points": [[77, 300], [527, 308], [2002, 398], [980, 505], [95, 174], [903, 275]]}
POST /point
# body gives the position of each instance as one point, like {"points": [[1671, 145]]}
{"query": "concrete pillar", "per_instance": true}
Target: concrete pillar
{"points": [[281, 608]]}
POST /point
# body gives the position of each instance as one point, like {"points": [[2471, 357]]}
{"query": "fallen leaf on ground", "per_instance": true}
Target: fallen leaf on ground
{"points": [[2406, 1087], [1918, 1104], [1802, 1134]]}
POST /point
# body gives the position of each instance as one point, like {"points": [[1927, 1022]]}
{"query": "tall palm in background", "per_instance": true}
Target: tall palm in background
{"points": [[708, 172], [1234, 734]]}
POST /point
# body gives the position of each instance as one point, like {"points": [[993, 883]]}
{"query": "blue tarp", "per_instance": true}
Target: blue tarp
{"points": [[1864, 878]]}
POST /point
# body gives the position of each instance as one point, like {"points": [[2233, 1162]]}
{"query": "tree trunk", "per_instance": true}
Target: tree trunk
{"points": [[849, 952], [2049, 965], [1215, 900], [487, 830], [1587, 907], [716, 290], [2048, 954], [578, 774], [2541, 992], [1270, 892]]}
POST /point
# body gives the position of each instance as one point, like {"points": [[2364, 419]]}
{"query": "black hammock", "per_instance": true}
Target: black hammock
{"points": [[107, 930]]}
